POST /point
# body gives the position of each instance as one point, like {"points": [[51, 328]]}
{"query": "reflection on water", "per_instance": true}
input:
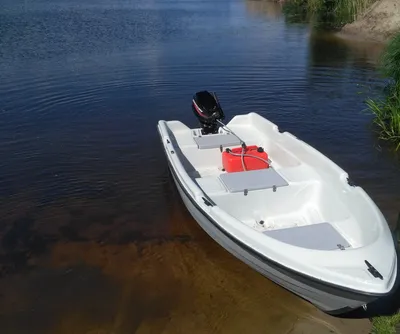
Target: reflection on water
{"points": [[93, 235], [330, 50], [269, 8]]}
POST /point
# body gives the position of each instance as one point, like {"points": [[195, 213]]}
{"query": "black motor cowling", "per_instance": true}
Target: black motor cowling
{"points": [[208, 110]]}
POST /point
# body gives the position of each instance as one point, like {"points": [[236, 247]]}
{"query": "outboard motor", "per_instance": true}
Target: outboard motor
{"points": [[208, 110]]}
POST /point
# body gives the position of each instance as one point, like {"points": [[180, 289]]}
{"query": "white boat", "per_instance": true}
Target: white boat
{"points": [[300, 222]]}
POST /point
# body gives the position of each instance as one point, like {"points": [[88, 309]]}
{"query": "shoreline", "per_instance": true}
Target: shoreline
{"points": [[378, 24]]}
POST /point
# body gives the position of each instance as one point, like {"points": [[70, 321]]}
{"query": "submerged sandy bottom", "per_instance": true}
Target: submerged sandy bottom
{"points": [[167, 288], [180, 281]]}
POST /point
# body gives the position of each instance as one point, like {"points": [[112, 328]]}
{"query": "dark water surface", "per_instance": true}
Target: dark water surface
{"points": [[93, 235]]}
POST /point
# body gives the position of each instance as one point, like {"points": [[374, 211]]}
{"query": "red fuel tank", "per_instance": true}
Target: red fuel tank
{"points": [[232, 162]]}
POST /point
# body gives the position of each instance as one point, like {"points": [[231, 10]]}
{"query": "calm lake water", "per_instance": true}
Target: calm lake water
{"points": [[93, 235]]}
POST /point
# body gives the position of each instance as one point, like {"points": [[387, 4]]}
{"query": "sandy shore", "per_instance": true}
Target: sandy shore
{"points": [[380, 23]]}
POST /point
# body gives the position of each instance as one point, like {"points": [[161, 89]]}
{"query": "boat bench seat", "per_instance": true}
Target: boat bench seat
{"points": [[321, 236], [252, 180], [241, 181], [216, 140]]}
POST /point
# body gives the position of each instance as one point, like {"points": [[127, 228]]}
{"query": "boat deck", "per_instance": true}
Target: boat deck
{"points": [[290, 195]]}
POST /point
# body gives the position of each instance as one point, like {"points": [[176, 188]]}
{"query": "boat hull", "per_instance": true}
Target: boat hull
{"points": [[330, 299]]}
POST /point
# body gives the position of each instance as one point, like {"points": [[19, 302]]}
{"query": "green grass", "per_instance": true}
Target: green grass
{"points": [[315, 5], [387, 110], [352, 8], [391, 60], [325, 14], [386, 324], [387, 118]]}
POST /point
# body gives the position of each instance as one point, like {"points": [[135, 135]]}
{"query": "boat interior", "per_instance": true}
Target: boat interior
{"points": [[300, 199]]}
